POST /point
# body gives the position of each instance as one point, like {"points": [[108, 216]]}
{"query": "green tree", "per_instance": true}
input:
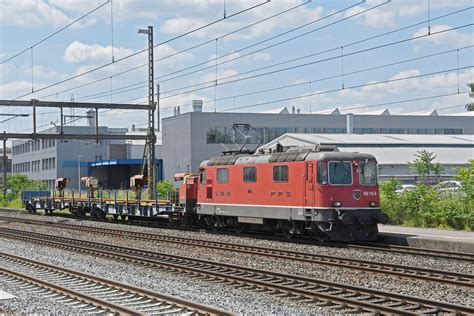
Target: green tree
{"points": [[437, 169], [423, 165], [17, 183], [165, 189], [470, 106], [466, 177]]}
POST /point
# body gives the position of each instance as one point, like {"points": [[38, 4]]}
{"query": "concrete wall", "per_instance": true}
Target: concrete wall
{"points": [[180, 144]]}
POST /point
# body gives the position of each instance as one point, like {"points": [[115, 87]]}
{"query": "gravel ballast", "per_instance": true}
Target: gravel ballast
{"points": [[213, 296]]}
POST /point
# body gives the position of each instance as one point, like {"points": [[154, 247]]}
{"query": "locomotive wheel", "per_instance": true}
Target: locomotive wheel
{"points": [[288, 229], [211, 222], [238, 228], [115, 216], [319, 235], [123, 217]]}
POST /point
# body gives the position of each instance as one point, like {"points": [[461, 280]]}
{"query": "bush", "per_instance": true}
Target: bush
{"points": [[165, 189], [15, 184], [424, 207]]}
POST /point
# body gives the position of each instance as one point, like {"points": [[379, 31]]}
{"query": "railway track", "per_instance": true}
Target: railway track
{"points": [[342, 297], [453, 278], [433, 253], [91, 294]]}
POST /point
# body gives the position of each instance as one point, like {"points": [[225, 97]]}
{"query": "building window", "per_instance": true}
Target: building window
{"points": [[211, 135], [222, 175], [280, 173], [250, 174], [452, 131]]}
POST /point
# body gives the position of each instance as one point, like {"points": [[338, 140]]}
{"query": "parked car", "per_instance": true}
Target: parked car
{"points": [[404, 187], [449, 188]]}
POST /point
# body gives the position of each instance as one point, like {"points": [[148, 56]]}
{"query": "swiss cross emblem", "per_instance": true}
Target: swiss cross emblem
{"points": [[356, 194]]}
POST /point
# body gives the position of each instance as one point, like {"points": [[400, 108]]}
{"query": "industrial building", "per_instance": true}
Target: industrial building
{"points": [[192, 137], [393, 152], [188, 139], [111, 161]]}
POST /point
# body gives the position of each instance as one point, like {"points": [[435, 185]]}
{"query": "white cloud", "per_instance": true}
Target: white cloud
{"points": [[375, 18], [79, 52], [262, 56], [403, 89], [29, 13], [386, 15], [228, 60], [12, 89], [196, 15], [453, 37], [211, 76]]}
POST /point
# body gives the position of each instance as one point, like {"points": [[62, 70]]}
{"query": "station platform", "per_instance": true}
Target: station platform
{"points": [[429, 238]]}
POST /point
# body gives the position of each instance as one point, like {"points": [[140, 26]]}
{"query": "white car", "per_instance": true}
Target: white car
{"points": [[449, 188], [404, 187]]}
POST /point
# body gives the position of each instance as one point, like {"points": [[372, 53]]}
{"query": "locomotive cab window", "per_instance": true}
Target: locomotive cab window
{"points": [[322, 176], [340, 172], [367, 173], [250, 174], [222, 175], [280, 173], [202, 176]]}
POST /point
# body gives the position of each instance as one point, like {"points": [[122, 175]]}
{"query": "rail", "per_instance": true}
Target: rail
{"points": [[409, 272], [342, 297]]}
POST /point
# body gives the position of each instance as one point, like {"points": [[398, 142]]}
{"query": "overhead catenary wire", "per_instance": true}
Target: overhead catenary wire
{"points": [[346, 88], [160, 78], [213, 83], [349, 88], [144, 50], [304, 64], [182, 51], [143, 83], [310, 82], [229, 54], [56, 32], [128, 87]]}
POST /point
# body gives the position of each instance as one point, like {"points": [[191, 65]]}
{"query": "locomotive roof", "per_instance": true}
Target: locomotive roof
{"points": [[285, 157]]}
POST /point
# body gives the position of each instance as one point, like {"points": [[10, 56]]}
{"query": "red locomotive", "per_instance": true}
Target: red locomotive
{"points": [[315, 191]]}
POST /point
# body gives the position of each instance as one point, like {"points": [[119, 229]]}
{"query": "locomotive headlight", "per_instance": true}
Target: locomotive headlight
{"points": [[373, 204], [337, 204]]}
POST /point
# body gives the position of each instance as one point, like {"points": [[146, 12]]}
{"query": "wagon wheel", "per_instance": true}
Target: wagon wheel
{"points": [[100, 214], [81, 212]]}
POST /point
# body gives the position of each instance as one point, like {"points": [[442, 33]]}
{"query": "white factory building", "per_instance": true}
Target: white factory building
{"points": [[394, 152]]}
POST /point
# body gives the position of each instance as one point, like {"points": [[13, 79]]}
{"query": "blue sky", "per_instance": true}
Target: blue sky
{"points": [[88, 44]]}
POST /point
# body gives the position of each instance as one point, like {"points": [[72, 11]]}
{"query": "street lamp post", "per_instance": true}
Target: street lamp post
{"points": [[79, 172]]}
